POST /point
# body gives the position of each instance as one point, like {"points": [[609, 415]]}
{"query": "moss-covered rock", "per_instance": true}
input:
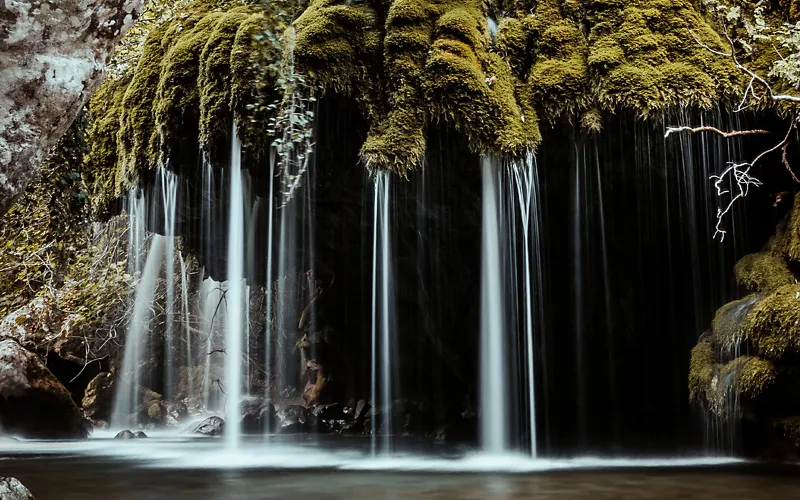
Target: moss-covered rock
{"points": [[773, 325], [763, 272], [729, 321]]}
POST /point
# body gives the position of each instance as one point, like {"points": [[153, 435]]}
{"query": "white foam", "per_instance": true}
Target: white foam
{"points": [[210, 453]]}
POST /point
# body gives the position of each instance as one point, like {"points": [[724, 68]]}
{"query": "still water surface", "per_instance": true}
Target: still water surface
{"points": [[162, 469]]}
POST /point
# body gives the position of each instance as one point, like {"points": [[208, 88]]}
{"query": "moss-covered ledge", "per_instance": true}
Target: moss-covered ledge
{"points": [[194, 73]]}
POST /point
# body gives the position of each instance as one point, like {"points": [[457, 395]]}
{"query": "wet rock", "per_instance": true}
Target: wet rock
{"points": [[12, 489], [212, 426], [329, 418], [256, 415], [126, 434], [33, 403], [98, 400], [177, 411], [140, 435], [361, 409], [293, 419]]}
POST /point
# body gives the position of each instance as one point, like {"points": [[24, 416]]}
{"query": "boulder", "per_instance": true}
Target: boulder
{"points": [[140, 435], [256, 415], [177, 412], [12, 489], [293, 419], [330, 417], [212, 426], [126, 434], [33, 403], [98, 400]]}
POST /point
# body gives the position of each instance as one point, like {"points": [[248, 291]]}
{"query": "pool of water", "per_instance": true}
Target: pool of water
{"points": [[180, 468]]}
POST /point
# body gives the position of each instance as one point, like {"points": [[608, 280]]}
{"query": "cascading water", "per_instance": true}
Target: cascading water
{"points": [[268, 321], [235, 320], [137, 213], [213, 315], [128, 381], [494, 433], [523, 177], [187, 327], [382, 316], [169, 194]]}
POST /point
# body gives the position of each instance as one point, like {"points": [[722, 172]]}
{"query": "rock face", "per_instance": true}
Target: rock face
{"points": [[52, 58], [256, 415], [212, 426], [99, 398], [12, 489], [33, 403]]}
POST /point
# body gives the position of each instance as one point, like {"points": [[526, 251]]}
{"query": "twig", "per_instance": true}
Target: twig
{"points": [[731, 133]]}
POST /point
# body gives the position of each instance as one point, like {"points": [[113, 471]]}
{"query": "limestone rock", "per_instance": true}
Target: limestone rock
{"points": [[33, 403], [12, 489], [98, 399], [52, 58], [126, 434], [212, 426]]}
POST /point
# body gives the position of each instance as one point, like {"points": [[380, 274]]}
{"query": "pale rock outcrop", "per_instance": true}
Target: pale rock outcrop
{"points": [[53, 56]]}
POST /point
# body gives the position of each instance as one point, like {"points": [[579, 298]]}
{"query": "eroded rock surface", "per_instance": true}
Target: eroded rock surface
{"points": [[33, 403], [52, 58], [12, 489]]}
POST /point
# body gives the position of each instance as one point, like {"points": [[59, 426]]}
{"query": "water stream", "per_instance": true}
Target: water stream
{"points": [[235, 299]]}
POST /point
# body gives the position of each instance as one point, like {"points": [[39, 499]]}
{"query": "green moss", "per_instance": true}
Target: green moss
{"points": [[338, 46], [701, 370], [559, 77], [642, 55], [105, 113], [252, 82], [763, 272], [177, 106], [773, 325], [214, 82], [786, 240], [137, 123], [730, 321], [748, 375]]}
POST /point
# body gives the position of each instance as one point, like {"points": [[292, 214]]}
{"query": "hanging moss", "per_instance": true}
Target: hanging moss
{"points": [[177, 106], [137, 124], [643, 55], [338, 47], [559, 78], [105, 113], [252, 82], [701, 370], [214, 83], [762, 272], [773, 325]]}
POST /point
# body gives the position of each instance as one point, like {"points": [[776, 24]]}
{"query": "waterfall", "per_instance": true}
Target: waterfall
{"points": [[523, 177], [213, 315], [382, 315], [493, 397], [268, 300], [126, 399], [137, 212], [187, 327], [234, 327], [169, 191]]}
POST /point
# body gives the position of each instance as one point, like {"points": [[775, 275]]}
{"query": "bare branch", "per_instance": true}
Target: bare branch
{"points": [[732, 133]]}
